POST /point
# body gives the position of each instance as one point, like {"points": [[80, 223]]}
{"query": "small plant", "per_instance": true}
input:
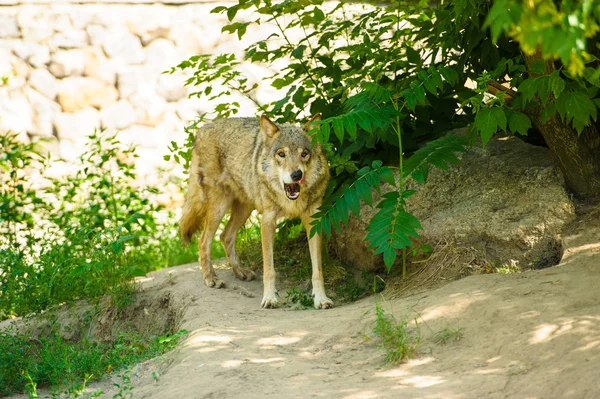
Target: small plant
{"points": [[446, 335], [125, 387], [396, 340], [507, 269], [302, 298]]}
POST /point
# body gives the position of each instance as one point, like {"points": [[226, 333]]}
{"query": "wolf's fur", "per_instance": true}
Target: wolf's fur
{"points": [[242, 164]]}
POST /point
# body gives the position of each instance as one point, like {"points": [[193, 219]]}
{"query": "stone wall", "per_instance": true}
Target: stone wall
{"points": [[75, 66]]}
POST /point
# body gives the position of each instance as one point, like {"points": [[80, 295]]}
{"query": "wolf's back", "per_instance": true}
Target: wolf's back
{"points": [[222, 148]]}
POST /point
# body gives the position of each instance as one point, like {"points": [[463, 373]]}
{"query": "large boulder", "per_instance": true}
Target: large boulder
{"points": [[506, 201]]}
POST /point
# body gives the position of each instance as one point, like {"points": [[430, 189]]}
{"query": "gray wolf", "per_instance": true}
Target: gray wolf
{"points": [[242, 164]]}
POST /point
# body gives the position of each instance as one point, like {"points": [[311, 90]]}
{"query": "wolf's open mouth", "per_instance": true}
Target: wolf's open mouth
{"points": [[292, 191]]}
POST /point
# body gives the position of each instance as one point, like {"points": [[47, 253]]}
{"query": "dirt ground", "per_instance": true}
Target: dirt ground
{"points": [[527, 335]]}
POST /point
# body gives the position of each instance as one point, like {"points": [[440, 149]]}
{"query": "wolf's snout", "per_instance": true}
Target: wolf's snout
{"points": [[296, 175]]}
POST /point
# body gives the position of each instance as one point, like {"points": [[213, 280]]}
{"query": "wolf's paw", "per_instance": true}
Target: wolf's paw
{"points": [[214, 282], [244, 274], [269, 302], [322, 302]]}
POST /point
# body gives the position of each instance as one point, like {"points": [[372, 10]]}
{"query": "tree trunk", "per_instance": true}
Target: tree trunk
{"points": [[577, 156]]}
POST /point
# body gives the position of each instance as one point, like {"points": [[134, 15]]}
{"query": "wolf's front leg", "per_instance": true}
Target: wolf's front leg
{"points": [[267, 231], [321, 301]]}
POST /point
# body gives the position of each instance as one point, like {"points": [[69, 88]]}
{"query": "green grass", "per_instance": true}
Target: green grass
{"points": [[51, 361], [296, 297], [446, 335], [396, 340]]}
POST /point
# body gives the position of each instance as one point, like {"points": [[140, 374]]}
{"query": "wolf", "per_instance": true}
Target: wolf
{"points": [[245, 164]]}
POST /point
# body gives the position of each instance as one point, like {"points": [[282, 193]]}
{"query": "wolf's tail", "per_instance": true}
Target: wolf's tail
{"points": [[193, 211]]}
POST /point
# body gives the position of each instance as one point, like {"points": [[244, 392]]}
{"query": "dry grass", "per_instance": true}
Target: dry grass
{"points": [[447, 262]]}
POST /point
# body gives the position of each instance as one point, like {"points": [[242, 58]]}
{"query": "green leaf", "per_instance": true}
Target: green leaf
{"points": [[350, 126], [580, 108], [557, 84], [389, 257], [299, 51], [364, 191], [413, 56], [319, 16], [519, 123], [338, 128], [325, 132], [352, 200], [500, 117], [486, 123], [528, 88], [548, 112], [387, 176], [116, 247], [231, 12], [538, 67]]}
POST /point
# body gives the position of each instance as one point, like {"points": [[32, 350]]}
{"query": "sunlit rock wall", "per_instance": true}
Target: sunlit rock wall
{"points": [[70, 67]]}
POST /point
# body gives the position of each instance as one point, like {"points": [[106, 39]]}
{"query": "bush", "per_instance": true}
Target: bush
{"points": [[83, 236]]}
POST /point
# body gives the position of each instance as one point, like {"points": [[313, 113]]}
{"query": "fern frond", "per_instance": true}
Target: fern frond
{"points": [[335, 212], [439, 153], [367, 118], [371, 95], [391, 228]]}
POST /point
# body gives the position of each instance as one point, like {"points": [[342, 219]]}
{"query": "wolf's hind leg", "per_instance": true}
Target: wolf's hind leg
{"points": [[239, 214], [215, 212]]}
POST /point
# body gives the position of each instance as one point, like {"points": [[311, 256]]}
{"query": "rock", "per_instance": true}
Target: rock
{"points": [[13, 69], [508, 201], [44, 112], [170, 126], [34, 23], [70, 150], [98, 66], [188, 109], [96, 33], [44, 82], [134, 79], [145, 25], [70, 39], [82, 17], [36, 54], [52, 145], [144, 137], [16, 114], [76, 126], [5, 61], [78, 93], [8, 27], [191, 39], [67, 63], [124, 47], [60, 21], [150, 108], [118, 116], [171, 87], [161, 55]]}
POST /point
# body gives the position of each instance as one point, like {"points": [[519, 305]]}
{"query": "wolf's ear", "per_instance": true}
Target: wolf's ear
{"points": [[316, 117], [268, 128]]}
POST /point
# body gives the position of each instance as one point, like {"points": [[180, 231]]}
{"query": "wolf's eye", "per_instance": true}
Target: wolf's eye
{"points": [[305, 154], [281, 154]]}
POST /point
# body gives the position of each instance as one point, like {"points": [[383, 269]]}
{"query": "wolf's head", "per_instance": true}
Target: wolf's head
{"points": [[289, 160]]}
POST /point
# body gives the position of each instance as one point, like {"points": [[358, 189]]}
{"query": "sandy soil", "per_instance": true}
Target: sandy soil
{"points": [[527, 335]]}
